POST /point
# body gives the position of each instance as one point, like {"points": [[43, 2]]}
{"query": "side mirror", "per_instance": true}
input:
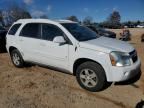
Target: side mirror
{"points": [[59, 39]]}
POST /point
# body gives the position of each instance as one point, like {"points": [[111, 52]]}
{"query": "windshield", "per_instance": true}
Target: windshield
{"points": [[81, 33]]}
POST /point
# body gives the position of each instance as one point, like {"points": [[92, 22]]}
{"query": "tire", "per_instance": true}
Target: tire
{"points": [[17, 59], [140, 104], [91, 76], [142, 38]]}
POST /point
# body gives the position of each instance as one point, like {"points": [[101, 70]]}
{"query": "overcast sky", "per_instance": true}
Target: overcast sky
{"points": [[99, 10]]}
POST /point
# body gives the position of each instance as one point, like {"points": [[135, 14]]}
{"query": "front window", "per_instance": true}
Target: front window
{"points": [[49, 32], [81, 33]]}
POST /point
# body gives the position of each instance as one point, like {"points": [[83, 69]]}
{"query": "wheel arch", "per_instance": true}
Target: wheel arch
{"points": [[82, 60], [11, 48]]}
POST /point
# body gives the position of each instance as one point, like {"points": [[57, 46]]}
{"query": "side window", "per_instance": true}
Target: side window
{"points": [[14, 29], [50, 31], [31, 30]]}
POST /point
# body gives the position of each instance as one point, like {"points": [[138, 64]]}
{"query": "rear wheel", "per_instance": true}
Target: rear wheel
{"points": [[17, 58], [91, 76]]}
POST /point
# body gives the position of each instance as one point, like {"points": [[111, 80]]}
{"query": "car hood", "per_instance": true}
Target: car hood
{"points": [[107, 45]]}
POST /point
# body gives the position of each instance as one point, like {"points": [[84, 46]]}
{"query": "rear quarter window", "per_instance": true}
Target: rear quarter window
{"points": [[14, 29]]}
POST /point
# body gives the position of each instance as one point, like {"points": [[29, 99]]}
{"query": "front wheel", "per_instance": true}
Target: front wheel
{"points": [[91, 76], [17, 58]]}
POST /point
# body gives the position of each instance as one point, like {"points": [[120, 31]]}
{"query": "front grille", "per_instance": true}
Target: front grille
{"points": [[134, 56]]}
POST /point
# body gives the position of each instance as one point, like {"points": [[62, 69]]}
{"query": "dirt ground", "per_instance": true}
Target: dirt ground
{"points": [[38, 87]]}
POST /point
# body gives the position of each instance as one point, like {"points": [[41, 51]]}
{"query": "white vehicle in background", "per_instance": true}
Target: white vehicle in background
{"points": [[66, 45], [140, 26]]}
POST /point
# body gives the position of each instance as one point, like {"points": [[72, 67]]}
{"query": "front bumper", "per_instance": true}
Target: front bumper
{"points": [[119, 74]]}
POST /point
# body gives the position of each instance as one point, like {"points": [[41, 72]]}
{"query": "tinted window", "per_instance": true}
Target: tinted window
{"points": [[81, 33], [14, 29], [31, 30], [50, 31]]}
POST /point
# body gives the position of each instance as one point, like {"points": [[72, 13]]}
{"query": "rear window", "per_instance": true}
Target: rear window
{"points": [[14, 29]]}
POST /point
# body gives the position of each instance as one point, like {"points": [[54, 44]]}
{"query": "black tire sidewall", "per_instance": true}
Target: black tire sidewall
{"points": [[21, 59], [142, 38], [99, 72]]}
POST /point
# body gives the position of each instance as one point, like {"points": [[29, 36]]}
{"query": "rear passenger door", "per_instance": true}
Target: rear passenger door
{"points": [[29, 38]]}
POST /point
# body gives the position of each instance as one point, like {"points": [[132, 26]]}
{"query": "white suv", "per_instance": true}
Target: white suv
{"points": [[69, 46]]}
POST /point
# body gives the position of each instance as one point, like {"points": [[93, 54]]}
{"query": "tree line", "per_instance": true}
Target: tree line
{"points": [[15, 12], [12, 14], [113, 21]]}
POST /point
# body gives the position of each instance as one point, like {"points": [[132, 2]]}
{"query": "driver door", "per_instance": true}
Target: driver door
{"points": [[52, 53]]}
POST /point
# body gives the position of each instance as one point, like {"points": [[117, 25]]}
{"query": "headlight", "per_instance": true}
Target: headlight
{"points": [[120, 59]]}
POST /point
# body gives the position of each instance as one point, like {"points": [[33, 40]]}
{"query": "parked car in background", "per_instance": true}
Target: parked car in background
{"points": [[66, 45], [103, 32], [131, 26], [140, 26], [3, 33]]}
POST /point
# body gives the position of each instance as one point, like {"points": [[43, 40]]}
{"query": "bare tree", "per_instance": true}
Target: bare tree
{"points": [[114, 19], [73, 18], [88, 20], [13, 13], [16, 12], [1, 18]]}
